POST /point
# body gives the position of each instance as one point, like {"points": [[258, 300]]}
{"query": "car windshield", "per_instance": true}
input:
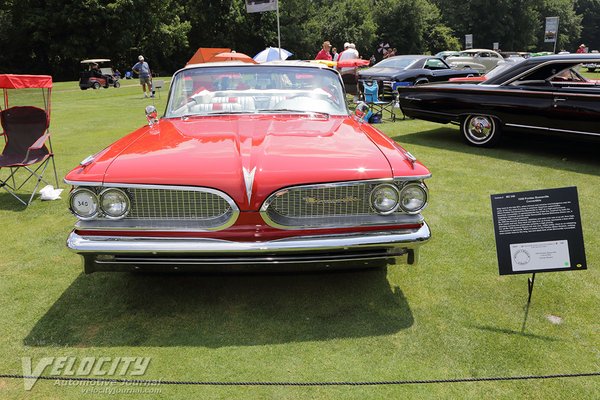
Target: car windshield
{"points": [[556, 72], [500, 68], [237, 89], [396, 62]]}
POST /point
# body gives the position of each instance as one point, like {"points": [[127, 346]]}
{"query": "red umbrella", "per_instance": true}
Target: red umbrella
{"points": [[233, 56], [352, 62]]}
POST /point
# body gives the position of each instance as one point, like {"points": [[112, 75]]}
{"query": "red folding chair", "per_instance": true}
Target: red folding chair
{"points": [[27, 151]]}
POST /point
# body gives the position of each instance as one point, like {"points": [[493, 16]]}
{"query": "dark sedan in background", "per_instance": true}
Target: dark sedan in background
{"points": [[540, 94], [411, 70]]}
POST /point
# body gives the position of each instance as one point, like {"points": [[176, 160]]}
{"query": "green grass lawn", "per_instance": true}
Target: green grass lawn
{"points": [[451, 316]]}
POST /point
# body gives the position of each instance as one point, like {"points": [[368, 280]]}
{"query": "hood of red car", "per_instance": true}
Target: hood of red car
{"points": [[245, 155]]}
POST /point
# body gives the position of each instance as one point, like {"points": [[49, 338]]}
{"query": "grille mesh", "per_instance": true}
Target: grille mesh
{"points": [[334, 201], [182, 205]]}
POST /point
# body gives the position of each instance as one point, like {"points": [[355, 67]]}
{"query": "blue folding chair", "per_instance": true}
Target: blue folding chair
{"points": [[395, 87], [371, 93]]}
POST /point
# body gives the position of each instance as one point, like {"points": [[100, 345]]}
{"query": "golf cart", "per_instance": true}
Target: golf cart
{"points": [[95, 77]]}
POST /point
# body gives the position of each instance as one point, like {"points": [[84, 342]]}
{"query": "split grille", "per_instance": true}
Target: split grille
{"points": [[329, 205], [180, 205], [324, 202]]}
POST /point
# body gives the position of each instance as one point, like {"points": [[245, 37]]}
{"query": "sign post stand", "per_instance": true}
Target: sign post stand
{"points": [[530, 282], [538, 231]]}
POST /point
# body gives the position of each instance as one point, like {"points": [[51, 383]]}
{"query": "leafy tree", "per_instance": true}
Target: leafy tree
{"points": [[345, 21], [442, 38], [590, 12], [53, 36], [405, 24]]}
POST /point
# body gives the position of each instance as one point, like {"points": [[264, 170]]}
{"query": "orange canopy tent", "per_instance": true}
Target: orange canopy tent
{"points": [[204, 54]]}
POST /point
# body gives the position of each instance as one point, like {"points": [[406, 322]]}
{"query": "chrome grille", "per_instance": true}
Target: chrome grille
{"points": [[329, 205], [324, 201], [183, 205], [170, 208]]}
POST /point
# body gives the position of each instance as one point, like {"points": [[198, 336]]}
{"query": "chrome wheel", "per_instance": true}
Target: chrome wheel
{"points": [[480, 130]]}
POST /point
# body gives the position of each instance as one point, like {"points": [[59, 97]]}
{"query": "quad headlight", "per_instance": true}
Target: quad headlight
{"points": [[413, 197], [114, 203], [385, 198], [111, 203], [84, 203]]}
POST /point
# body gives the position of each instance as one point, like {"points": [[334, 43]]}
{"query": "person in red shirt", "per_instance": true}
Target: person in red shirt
{"points": [[581, 48], [324, 53]]}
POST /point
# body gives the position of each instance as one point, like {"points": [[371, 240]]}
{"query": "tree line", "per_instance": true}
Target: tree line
{"points": [[52, 36]]}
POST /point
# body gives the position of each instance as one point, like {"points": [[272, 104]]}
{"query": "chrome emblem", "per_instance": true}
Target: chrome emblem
{"points": [[249, 181], [313, 200]]}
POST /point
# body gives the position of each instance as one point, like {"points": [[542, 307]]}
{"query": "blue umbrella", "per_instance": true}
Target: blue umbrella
{"points": [[271, 54]]}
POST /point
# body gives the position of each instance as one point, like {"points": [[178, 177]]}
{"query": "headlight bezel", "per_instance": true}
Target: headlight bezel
{"points": [[94, 197], [384, 186], [106, 214], [422, 188]]}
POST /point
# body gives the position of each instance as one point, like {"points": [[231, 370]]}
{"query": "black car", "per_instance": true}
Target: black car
{"points": [[540, 93], [411, 70]]}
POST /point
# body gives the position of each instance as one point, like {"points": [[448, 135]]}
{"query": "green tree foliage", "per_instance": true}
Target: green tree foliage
{"points": [[345, 21], [569, 29], [405, 24], [52, 36], [441, 38], [590, 12], [515, 24]]}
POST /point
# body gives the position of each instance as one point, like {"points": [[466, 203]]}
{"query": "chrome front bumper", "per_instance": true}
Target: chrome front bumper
{"points": [[112, 253]]}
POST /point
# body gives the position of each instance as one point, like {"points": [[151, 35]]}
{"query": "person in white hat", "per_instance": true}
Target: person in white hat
{"points": [[143, 70]]}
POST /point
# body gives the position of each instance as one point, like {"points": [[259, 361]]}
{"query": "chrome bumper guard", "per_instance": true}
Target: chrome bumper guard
{"points": [[111, 253]]}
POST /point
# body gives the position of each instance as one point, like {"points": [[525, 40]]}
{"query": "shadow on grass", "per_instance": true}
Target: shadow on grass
{"points": [[518, 333], [576, 154], [9, 203], [119, 309]]}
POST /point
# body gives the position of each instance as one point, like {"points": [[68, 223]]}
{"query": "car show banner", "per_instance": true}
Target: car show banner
{"points": [[538, 231], [469, 41], [253, 6], [551, 31]]}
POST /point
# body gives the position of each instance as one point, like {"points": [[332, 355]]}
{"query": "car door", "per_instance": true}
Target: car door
{"points": [[525, 104], [440, 71], [485, 58], [576, 109]]}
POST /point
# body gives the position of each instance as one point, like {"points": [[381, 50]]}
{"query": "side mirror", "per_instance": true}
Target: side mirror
{"points": [[362, 112], [151, 115]]}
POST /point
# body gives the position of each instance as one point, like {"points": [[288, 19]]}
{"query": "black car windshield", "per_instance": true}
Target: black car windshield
{"points": [[396, 62], [235, 89]]}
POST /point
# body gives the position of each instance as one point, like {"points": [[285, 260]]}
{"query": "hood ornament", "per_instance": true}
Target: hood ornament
{"points": [[249, 181]]}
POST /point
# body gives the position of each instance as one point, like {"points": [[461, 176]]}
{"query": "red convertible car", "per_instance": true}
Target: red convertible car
{"points": [[251, 167]]}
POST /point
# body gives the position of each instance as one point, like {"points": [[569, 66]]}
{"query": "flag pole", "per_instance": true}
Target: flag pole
{"points": [[278, 30]]}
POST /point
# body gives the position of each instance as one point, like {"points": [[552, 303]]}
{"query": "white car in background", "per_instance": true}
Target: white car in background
{"points": [[480, 59]]}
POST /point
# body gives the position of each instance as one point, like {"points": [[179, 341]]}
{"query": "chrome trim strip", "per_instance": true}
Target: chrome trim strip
{"points": [[430, 112], [407, 238], [553, 129]]}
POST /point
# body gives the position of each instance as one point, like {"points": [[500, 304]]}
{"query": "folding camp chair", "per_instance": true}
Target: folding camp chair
{"points": [[371, 93], [27, 151]]}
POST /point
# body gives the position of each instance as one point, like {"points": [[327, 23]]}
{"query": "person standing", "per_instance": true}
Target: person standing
{"points": [[324, 53], [581, 48], [143, 70], [334, 54]]}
